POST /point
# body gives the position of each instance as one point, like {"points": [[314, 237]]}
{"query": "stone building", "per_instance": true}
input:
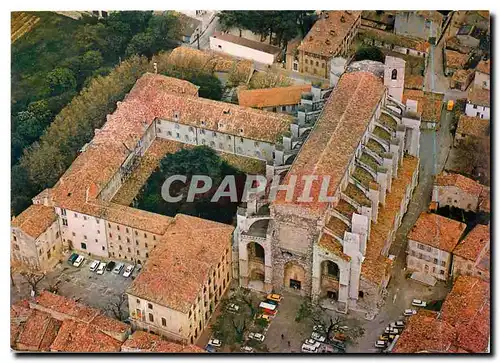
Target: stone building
{"points": [[184, 279], [279, 99], [430, 245], [419, 24], [473, 128], [457, 191], [454, 61], [478, 102], [36, 238], [471, 256], [331, 36], [363, 147], [482, 75]]}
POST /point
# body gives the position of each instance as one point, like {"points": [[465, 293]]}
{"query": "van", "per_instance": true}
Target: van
{"points": [[450, 105], [306, 348], [118, 268]]}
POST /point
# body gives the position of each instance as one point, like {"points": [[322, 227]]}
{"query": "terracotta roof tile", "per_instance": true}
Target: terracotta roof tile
{"points": [[463, 183], [473, 244], [473, 126], [461, 75], [424, 332], [177, 270], [66, 306], [455, 59], [414, 82], [39, 331], [141, 341], [479, 96], [262, 47], [484, 66], [332, 245], [270, 97], [485, 200], [375, 266], [429, 104], [397, 40], [35, 220], [327, 33], [335, 136], [454, 43], [76, 337], [437, 231]]}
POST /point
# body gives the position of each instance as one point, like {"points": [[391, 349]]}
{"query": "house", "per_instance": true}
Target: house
{"points": [[244, 48], [478, 102], [143, 342], [453, 43], [471, 127], [280, 99], [183, 280], [469, 35], [191, 28], [396, 43], [471, 256], [35, 238], [331, 36], [457, 191], [292, 55], [478, 18], [461, 79], [482, 74], [462, 325], [420, 24], [430, 244], [454, 61], [378, 19]]}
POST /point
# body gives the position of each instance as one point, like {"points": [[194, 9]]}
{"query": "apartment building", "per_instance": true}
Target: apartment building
{"points": [[184, 279], [431, 242], [478, 102], [337, 251], [455, 190], [331, 36], [471, 257], [36, 238]]}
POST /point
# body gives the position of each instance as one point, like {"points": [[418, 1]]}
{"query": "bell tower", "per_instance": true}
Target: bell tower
{"points": [[394, 76]]}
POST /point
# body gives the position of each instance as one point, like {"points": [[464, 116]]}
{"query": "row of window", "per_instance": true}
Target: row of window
{"points": [[214, 134], [428, 258], [220, 125]]}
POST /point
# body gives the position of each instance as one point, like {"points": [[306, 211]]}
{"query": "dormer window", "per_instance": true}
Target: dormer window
{"points": [[203, 123], [241, 131], [221, 125], [176, 115], [226, 111]]}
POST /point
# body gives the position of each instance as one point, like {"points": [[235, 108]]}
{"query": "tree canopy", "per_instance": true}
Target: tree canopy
{"points": [[369, 53]]}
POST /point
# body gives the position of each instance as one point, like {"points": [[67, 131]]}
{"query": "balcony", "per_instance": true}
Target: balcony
{"points": [[353, 192], [375, 147], [381, 133], [387, 121], [363, 176]]}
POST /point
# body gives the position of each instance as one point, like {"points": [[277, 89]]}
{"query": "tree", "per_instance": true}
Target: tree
{"points": [[61, 80], [32, 277], [140, 44], [210, 85], [370, 53], [118, 307], [91, 60], [473, 158]]}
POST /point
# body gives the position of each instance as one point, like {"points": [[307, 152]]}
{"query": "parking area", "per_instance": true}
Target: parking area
{"points": [[83, 285]]}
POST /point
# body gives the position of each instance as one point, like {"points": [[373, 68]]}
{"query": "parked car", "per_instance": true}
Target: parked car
{"points": [[400, 324], [246, 349], [313, 343], [78, 262], [110, 266], [419, 303], [72, 258], [94, 265], [128, 271], [338, 345], [308, 348], [339, 337], [256, 336], [395, 329], [390, 330], [215, 343], [318, 337], [101, 268], [383, 337], [118, 268], [265, 317], [380, 344], [210, 349], [233, 308], [409, 312], [274, 297], [319, 328]]}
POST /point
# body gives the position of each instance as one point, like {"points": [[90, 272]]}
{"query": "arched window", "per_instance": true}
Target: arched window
{"points": [[394, 74]]}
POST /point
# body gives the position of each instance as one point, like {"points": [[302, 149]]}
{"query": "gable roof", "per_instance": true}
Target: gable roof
{"points": [[479, 96], [271, 97], [244, 42], [463, 183], [35, 220], [437, 231], [474, 243]]}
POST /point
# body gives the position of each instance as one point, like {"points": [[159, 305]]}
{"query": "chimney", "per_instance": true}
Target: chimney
{"points": [[342, 19]]}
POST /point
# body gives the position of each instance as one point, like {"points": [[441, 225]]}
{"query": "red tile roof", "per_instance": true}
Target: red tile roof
{"points": [[332, 245], [479, 96], [75, 337], [485, 200], [337, 133], [39, 331], [141, 341], [484, 66], [437, 231], [467, 308], [175, 273], [454, 59], [474, 243], [473, 126], [328, 32], [35, 220], [270, 97], [463, 183]]}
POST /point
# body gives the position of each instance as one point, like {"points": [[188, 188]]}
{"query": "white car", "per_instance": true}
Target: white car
{"points": [[409, 312], [118, 268], [101, 268], [246, 349], [78, 262], [391, 330], [313, 343], [233, 308], [94, 265], [380, 344], [308, 348], [128, 271], [419, 303], [256, 336], [318, 328], [318, 337], [400, 324], [215, 343]]}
